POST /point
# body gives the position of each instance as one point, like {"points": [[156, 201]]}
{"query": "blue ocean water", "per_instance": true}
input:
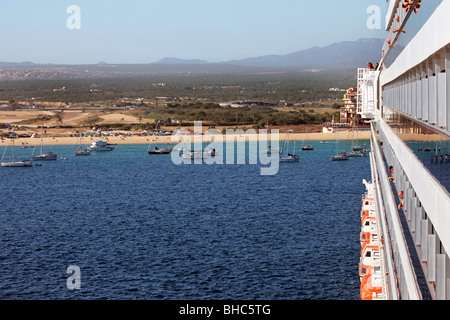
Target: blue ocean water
{"points": [[140, 227]]}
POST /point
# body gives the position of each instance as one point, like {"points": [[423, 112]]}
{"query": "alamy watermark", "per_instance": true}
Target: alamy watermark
{"points": [[233, 147], [374, 20], [73, 22], [74, 280]]}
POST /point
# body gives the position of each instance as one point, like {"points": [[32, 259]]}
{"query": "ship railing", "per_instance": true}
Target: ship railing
{"points": [[402, 279]]}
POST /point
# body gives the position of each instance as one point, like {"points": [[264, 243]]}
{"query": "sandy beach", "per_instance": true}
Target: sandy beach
{"points": [[175, 139]]}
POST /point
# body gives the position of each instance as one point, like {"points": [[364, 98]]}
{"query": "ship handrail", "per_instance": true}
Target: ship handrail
{"points": [[404, 267]]}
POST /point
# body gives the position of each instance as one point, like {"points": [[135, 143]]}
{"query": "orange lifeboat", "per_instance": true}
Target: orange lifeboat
{"points": [[370, 257], [367, 203], [367, 213], [370, 240], [371, 286]]}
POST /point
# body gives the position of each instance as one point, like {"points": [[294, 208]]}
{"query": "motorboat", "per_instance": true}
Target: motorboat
{"points": [[100, 146], [157, 150]]}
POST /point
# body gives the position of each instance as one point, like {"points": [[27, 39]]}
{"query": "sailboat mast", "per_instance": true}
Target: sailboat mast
{"points": [[13, 149]]}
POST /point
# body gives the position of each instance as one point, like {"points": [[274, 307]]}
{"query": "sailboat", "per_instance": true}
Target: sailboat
{"points": [[307, 147], [13, 163], [339, 155], [44, 156], [289, 157], [358, 146], [156, 149], [81, 150]]}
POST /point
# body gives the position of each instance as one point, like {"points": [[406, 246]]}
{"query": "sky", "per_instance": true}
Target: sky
{"points": [[145, 31]]}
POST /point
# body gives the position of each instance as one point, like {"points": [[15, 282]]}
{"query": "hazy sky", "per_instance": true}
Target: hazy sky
{"points": [[144, 31]]}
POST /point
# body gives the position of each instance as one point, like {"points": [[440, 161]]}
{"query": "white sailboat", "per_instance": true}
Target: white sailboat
{"points": [[358, 146], [306, 147], [289, 157], [48, 156], [156, 149], [81, 150], [340, 156], [14, 163]]}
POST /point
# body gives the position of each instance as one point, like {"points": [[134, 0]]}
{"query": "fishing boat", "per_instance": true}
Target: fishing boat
{"points": [[306, 147], [81, 150], [47, 156], [14, 163], [100, 145], [289, 157]]}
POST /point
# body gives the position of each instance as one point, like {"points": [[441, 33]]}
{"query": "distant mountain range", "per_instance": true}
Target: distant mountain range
{"points": [[338, 56], [347, 54]]}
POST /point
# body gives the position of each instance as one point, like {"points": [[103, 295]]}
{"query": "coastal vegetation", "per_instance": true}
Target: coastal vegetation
{"points": [[284, 99]]}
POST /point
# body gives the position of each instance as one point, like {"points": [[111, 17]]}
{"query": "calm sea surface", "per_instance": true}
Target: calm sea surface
{"points": [[140, 227]]}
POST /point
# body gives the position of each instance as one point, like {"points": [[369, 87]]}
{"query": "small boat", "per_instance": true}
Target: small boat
{"points": [[81, 150], [100, 146], [14, 163], [289, 157], [199, 154], [359, 147], [307, 147], [339, 157], [84, 152], [356, 154], [17, 164], [48, 156], [157, 150]]}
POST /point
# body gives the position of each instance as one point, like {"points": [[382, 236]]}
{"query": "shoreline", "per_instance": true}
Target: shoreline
{"points": [[86, 141]]}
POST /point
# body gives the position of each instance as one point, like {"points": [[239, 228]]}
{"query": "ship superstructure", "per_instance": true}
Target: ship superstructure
{"points": [[406, 98]]}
